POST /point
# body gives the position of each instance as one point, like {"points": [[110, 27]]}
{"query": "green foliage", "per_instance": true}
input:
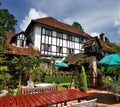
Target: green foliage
{"points": [[19, 66], [78, 25], [7, 20], [83, 80], [115, 47], [3, 37], [110, 71], [61, 87], [30, 67], [19, 89], [107, 80], [4, 74], [58, 79], [111, 84], [7, 23], [10, 93]]}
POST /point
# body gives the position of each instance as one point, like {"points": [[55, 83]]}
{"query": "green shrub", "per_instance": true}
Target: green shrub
{"points": [[107, 80], [58, 79], [10, 93], [19, 89], [82, 80]]}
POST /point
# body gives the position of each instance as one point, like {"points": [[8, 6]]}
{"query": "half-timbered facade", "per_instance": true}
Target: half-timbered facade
{"points": [[97, 46], [20, 45], [56, 39]]}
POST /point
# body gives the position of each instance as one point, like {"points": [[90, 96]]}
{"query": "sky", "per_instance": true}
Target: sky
{"points": [[95, 16]]}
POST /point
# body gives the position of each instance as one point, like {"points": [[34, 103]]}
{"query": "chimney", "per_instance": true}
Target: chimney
{"points": [[102, 37]]}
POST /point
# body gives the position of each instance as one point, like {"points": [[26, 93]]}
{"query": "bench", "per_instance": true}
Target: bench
{"points": [[39, 89], [44, 99]]}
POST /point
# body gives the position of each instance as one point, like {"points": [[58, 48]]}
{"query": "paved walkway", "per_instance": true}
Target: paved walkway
{"points": [[105, 98]]}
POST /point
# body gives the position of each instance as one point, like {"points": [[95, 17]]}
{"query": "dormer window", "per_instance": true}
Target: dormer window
{"points": [[21, 40]]}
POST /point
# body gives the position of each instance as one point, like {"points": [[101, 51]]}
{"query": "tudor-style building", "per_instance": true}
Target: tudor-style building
{"points": [[50, 38], [94, 49], [20, 45], [56, 39], [97, 46]]}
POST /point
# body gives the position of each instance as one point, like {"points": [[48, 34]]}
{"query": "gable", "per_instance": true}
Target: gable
{"points": [[51, 22], [17, 49], [21, 40], [99, 44]]}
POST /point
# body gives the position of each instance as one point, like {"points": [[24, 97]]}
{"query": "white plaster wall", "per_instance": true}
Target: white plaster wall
{"points": [[50, 40], [61, 43], [37, 34], [54, 41], [65, 43], [64, 50], [54, 48], [77, 45]]}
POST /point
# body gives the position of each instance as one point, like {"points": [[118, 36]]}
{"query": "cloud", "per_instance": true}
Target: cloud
{"points": [[95, 21], [33, 14], [117, 21], [95, 16], [95, 34]]}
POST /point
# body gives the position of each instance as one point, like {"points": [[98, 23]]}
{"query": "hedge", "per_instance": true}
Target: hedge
{"points": [[58, 79]]}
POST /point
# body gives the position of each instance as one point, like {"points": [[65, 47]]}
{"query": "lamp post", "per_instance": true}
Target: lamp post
{"points": [[51, 65]]}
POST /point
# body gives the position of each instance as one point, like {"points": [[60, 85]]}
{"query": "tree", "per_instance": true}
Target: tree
{"points": [[7, 23], [3, 37], [25, 65], [83, 80], [115, 47], [31, 63], [19, 66], [78, 25], [4, 74], [7, 20]]}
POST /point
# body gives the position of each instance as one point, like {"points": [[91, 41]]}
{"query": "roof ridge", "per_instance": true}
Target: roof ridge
{"points": [[52, 22]]}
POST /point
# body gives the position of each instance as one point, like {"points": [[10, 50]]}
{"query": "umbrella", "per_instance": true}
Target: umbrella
{"points": [[61, 64], [110, 60]]}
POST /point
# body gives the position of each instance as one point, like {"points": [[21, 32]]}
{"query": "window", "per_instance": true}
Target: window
{"points": [[69, 37], [59, 35], [46, 47], [59, 49], [70, 51], [48, 32], [76, 39], [21, 40]]}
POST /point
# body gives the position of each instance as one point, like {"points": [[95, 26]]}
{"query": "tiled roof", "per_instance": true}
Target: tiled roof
{"points": [[103, 45], [29, 51], [72, 59], [51, 22]]}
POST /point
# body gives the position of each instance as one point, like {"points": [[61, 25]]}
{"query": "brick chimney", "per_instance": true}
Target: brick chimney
{"points": [[102, 37]]}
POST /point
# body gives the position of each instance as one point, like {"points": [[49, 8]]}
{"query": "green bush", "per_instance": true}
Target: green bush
{"points": [[19, 89], [107, 80], [82, 80], [58, 79]]}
